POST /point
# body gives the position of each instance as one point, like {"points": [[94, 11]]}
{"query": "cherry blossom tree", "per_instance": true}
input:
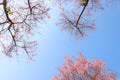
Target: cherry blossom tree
{"points": [[83, 69], [18, 20], [76, 15]]}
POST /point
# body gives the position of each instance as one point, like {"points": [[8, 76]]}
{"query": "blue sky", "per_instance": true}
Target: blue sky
{"points": [[54, 44]]}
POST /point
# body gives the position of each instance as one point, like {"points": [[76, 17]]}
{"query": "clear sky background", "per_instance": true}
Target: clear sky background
{"points": [[54, 44]]}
